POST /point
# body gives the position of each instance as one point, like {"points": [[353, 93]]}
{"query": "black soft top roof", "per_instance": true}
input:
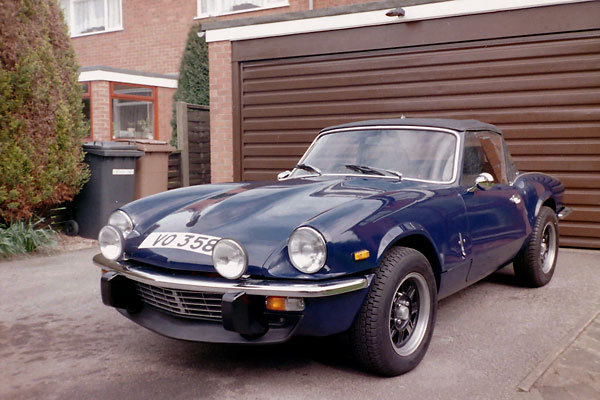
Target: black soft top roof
{"points": [[455, 124]]}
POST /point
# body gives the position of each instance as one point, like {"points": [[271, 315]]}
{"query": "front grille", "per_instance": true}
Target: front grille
{"points": [[196, 305]]}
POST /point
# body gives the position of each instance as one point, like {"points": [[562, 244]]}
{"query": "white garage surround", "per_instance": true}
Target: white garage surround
{"points": [[370, 18]]}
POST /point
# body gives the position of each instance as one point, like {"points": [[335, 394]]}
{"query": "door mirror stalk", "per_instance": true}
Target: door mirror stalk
{"points": [[484, 181]]}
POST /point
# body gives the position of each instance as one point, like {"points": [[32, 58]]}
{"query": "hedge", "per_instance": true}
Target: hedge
{"points": [[41, 119], [192, 86]]}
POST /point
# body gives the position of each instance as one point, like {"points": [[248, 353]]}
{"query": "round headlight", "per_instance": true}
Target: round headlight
{"points": [[110, 240], [307, 250], [229, 258], [120, 220]]}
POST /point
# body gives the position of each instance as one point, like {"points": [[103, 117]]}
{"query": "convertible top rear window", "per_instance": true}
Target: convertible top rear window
{"points": [[419, 154]]}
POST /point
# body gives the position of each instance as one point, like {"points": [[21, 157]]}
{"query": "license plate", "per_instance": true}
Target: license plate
{"points": [[202, 244]]}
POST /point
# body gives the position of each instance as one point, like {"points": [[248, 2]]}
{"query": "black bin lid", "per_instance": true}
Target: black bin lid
{"points": [[112, 149]]}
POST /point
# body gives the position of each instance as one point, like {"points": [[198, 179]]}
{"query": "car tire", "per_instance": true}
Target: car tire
{"points": [[535, 264], [391, 334]]}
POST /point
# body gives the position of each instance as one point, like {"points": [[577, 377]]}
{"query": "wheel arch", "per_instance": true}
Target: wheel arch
{"points": [[545, 200], [418, 240], [549, 202]]}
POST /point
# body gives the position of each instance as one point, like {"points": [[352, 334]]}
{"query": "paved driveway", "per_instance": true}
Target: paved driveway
{"points": [[58, 341]]}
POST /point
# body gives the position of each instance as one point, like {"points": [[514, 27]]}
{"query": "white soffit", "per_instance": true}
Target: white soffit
{"points": [[111, 76], [369, 18]]}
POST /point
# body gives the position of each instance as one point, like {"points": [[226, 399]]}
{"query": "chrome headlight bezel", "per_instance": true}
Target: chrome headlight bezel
{"points": [[111, 242], [234, 249], [302, 237], [122, 221]]}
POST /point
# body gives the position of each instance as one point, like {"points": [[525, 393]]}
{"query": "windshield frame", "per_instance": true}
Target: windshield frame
{"points": [[388, 127]]}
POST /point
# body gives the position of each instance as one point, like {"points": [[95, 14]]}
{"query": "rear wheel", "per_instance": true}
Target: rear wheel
{"points": [[534, 266], [392, 332]]}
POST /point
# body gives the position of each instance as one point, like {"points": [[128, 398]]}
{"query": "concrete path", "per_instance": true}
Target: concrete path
{"points": [[575, 373], [58, 341]]}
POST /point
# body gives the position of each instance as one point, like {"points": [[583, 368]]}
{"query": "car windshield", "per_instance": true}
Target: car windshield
{"points": [[419, 154]]}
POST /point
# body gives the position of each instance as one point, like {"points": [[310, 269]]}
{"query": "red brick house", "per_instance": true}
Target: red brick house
{"points": [[130, 51]]}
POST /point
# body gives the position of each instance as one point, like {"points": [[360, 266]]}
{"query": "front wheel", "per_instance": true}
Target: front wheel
{"points": [[394, 327], [534, 266]]}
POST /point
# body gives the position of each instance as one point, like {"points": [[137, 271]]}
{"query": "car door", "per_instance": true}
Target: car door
{"points": [[497, 221]]}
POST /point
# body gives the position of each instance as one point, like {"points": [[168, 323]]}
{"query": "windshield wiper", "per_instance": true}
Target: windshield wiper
{"points": [[365, 169], [309, 168]]}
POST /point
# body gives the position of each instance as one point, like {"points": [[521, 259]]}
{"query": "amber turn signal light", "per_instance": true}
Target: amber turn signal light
{"points": [[361, 255], [277, 303]]}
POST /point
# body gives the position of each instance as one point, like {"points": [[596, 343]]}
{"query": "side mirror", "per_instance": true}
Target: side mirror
{"points": [[282, 175], [484, 182]]}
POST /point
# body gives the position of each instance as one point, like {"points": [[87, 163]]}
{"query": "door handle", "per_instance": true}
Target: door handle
{"points": [[461, 242]]}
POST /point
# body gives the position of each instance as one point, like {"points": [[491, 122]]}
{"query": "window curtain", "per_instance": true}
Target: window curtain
{"points": [[133, 119], [215, 7], [114, 13], [88, 16]]}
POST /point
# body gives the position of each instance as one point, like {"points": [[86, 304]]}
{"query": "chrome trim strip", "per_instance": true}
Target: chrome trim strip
{"points": [[358, 128], [564, 212], [249, 286]]}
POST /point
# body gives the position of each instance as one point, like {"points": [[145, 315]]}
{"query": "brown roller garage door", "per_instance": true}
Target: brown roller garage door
{"points": [[542, 90]]}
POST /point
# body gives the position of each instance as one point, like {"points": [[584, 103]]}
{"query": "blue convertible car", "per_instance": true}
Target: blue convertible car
{"points": [[377, 222]]}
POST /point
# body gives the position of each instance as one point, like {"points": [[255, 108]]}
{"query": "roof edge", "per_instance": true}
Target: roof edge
{"points": [[321, 12], [454, 124], [127, 71]]}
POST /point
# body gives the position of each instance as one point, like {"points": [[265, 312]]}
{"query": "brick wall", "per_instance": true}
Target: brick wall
{"points": [[154, 34], [100, 100], [334, 3], [221, 118], [152, 40], [165, 112]]}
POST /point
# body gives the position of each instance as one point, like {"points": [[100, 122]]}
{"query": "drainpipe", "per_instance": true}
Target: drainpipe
{"points": [[310, 4]]}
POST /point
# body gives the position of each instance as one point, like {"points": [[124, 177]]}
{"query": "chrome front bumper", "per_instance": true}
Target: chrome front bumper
{"points": [[288, 288]]}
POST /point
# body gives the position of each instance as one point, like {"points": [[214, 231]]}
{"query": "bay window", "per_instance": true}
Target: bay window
{"points": [[91, 16], [133, 111], [208, 8]]}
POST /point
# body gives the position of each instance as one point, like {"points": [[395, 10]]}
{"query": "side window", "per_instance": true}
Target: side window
{"points": [[473, 159], [493, 149], [483, 152]]}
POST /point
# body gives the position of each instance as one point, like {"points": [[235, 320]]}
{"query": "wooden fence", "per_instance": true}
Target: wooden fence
{"points": [[190, 164]]}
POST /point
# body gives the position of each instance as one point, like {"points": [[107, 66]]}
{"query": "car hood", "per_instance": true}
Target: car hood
{"points": [[259, 215]]}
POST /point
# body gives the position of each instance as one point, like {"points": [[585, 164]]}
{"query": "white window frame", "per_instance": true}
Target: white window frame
{"points": [[113, 29], [282, 3]]}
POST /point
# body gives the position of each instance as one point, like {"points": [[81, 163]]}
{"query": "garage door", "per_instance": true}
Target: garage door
{"points": [[542, 90]]}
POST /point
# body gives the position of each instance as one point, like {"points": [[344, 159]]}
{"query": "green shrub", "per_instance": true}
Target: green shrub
{"points": [[24, 237], [41, 120], [192, 86]]}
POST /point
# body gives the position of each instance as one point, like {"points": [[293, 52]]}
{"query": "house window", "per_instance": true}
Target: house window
{"points": [[133, 111], [87, 106], [92, 16], [218, 7]]}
